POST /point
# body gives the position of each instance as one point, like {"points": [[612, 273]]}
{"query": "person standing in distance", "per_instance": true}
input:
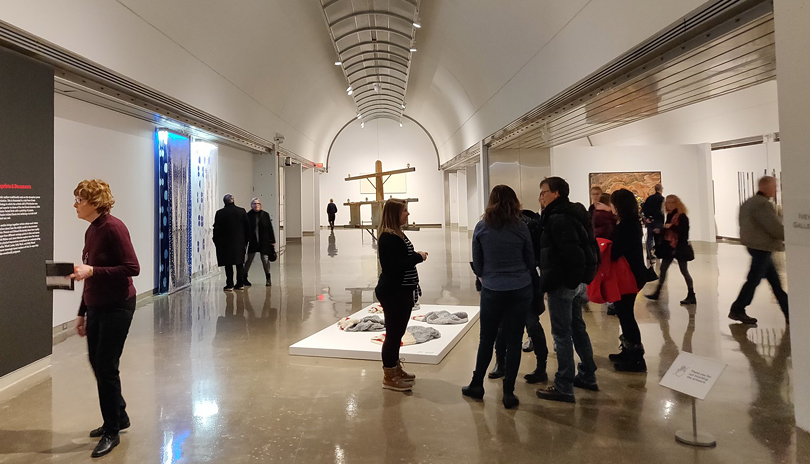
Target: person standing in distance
{"points": [[568, 259], [595, 194], [261, 240], [231, 231], [652, 210], [331, 210], [761, 231], [108, 303], [395, 289]]}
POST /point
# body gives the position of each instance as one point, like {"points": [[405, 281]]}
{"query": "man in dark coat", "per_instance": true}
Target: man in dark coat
{"points": [[231, 231], [261, 239], [653, 212], [331, 210], [568, 258]]}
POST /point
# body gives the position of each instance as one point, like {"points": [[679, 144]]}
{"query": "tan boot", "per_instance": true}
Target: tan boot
{"points": [[393, 381], [405, 375]]}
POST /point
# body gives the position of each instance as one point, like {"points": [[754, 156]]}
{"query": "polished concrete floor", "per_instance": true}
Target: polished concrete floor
{"points": [[208, 378]]}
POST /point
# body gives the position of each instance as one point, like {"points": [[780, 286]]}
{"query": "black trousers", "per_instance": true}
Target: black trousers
{"points": [[683, 266], [625, 310], [240, 275], [397, 307], [510, 308], [331, 221], [762, 267], [536, 334], [107, 330]]}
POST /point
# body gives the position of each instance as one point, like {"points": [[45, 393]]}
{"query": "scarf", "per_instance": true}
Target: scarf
{"points": [[670, 235]]}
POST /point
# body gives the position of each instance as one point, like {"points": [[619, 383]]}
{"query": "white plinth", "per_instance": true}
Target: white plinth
{"points": [[332, 342]]}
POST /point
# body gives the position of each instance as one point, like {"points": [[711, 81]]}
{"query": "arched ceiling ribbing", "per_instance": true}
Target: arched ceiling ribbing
{"points": [[382, 34]]}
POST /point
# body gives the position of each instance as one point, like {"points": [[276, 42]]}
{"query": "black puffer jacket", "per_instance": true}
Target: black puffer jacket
{"points": [[565, 256]]}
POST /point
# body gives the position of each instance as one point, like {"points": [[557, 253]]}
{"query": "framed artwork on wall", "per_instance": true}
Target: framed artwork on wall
{"points": [[642, 183]]}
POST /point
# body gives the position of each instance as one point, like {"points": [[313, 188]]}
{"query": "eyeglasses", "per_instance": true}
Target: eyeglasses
{"points": [[79, 200], [543, 192]]}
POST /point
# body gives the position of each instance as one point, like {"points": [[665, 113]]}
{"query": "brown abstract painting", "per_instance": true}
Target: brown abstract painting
{"points": [[642, 184]]}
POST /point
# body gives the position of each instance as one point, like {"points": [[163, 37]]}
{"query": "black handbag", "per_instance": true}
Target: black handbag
{"points": [[273, 255], [688, 252]]}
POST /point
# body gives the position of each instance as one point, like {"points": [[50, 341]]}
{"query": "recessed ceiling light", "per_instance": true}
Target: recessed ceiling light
{"points": [[417, 25], [338, 63]]}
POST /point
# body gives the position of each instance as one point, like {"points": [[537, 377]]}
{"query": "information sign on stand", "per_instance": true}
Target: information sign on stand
{"points": [[694, 376]]}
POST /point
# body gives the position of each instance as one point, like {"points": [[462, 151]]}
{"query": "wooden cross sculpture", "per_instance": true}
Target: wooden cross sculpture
{"points": [[380, 177]]}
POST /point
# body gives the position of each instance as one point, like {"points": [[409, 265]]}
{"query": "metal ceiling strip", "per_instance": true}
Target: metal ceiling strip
{"points": [[376, 76], [373, 29], [340, 52], [371, 13], [386, 60], [366, 68]]}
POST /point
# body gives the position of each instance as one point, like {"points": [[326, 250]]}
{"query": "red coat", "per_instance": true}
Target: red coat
{"points": [[613, 278]]}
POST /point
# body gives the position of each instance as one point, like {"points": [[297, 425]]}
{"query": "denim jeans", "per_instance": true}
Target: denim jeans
{"points": [[761, 267], [569, 332], [510, 308]]}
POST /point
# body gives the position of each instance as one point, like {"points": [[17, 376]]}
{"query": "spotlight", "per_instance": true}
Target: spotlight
{"points": [[400, 124], [417, 25], [348, 88], [338, 63], [362, 125], [413, 49], [359, 115], [351, 92]]}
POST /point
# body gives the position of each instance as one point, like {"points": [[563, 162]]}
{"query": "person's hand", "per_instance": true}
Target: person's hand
{"points": [[657, 231], [667, 226], [81, 272], [649, 221], [423, 254], [81, 327]]}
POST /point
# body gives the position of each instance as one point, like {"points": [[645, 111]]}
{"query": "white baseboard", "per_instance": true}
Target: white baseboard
{"points": [[22, 379]]}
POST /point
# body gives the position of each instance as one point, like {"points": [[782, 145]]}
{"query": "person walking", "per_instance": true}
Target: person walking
{"points": [[653, 215], [675, 246], [503, 258], [626, 245], [569, 257], [231, 231], [261, 240], [761, 231], [108, 303], [395, 289], [331, 210]]}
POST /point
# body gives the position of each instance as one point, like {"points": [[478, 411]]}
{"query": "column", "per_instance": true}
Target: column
{"points": [[308, 201], [793, 67], [293, 183]]}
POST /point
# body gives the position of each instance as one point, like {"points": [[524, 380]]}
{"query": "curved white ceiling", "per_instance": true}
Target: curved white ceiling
{"points": [[480, 63]]}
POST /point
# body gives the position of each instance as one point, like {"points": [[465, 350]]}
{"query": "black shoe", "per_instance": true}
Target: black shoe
{"points": [[631, 366], [552, 394], [621, 356], [106, 444], [538, 376], [239, 287], [654, 296], [742, 317], [99, 432], [510, 400], [473, 391], [268, 283], [579, 383], [247, 283], [690, 299], [228, 288], [497, 371], [611, 309]]}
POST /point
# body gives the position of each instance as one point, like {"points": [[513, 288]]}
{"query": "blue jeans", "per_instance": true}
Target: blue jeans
{"points": [[569, 333]]}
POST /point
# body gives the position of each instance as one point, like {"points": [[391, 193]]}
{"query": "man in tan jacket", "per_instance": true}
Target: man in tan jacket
{"points": [[761, 231]]}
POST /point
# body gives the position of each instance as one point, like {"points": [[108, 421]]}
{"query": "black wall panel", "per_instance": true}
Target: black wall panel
{"points": [[26, 209]]}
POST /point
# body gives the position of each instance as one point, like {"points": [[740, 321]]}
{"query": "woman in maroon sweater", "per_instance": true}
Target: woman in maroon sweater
{"points": [[108, 302]]}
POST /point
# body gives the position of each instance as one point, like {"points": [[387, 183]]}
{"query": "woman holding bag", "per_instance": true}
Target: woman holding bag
{"points": [[261, 240], [626, 252], [675, 246]]}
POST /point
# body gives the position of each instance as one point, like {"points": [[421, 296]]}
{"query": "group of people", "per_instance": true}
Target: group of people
{"points": [[238, 236], [518, 257], [566, 253]]}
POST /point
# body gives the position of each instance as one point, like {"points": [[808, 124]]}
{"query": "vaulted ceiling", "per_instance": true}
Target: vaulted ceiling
{"points": [[480, 64]]}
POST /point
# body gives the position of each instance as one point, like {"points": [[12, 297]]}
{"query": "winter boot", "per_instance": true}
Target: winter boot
{"points": [[690, 299], [403, 374], [632, 360], [476, 387], [539, 375], [497, 371], [267, 283], [393, 381]]}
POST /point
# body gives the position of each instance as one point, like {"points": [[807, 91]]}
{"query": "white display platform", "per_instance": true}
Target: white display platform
{"points": [[332, 342]]}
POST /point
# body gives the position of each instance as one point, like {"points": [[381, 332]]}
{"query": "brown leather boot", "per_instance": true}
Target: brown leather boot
{"points": [[403, 374], [393, 381]]}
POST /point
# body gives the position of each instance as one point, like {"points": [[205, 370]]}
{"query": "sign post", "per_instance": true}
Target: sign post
{"points": [[694, 376]]}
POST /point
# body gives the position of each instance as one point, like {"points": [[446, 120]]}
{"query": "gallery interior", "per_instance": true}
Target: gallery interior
{"points": [[295, 103]]}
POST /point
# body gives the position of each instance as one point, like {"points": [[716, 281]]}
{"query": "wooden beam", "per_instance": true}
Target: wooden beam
{"points": [[385, 173]]}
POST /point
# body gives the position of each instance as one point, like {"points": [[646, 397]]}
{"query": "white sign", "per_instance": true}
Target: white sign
{"points": [[692, 375]]}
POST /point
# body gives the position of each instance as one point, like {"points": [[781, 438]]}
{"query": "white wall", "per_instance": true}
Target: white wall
{"points": [[92, 142], [235, 176], [308, 200], [454, 199], [756, 159], [355, 151], [793, 41], [293, 220], [474, 210], [461, 196], [685, 171]]}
